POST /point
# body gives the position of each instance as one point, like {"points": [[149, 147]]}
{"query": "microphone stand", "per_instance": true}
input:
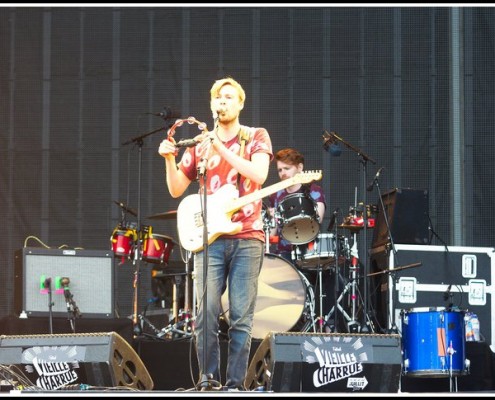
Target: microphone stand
{"points": [[72, 309], [364, 158], [434, 234], [390, 319], [48, 285], [205, 383], [136, 326]]}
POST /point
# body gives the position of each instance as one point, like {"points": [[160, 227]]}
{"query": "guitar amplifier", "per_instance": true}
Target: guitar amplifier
{"points": [[91, 281]]}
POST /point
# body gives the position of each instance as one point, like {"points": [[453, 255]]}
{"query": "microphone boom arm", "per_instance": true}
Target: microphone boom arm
{"points": [[139, 139], [330, 137]]}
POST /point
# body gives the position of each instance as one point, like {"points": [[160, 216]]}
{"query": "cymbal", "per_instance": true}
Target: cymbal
{"points": [[125, 208], [356, 224], [352, 228], [165, 215]]}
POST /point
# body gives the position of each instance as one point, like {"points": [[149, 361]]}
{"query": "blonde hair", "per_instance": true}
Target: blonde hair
{"points": [[215, 89]]}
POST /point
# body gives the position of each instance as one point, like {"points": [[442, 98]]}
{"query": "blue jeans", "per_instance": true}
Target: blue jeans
{"points": [[237, 262]]}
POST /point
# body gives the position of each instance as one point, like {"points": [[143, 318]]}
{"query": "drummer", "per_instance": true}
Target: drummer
{"points": [[290, 162]]}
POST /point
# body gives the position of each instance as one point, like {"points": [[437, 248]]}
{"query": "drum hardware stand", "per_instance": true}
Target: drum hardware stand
{"points": [[320, 320], [452, 378], [181, 318], [137, 329], [268, 224], [352, 323], [144, 319]]}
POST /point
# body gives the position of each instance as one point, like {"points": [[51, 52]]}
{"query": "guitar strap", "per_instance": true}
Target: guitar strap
{"points": [[243, 138]]}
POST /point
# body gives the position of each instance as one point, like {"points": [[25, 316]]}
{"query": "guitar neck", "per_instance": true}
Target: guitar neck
{"points": [[259, 194]]}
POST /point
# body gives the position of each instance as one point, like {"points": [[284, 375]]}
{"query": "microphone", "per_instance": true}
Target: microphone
{"points": [[47, 283], [370, 186], [67, 294], [167, 113], [64, 282], [187, 143], [330, 144], [328, 139], [332, 220]]}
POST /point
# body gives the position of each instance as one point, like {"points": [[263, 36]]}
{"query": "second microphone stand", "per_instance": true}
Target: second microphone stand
{"points": [[363, 159], [136, 325]]}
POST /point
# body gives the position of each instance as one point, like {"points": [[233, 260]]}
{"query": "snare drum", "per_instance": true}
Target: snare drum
{"points": [[433, 342], [298, 218], [319, 252], [157, 248], [122, 241]]}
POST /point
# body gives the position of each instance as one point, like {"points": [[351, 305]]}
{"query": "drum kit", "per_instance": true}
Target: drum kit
{"points": [[286, 296], [290, 293]]}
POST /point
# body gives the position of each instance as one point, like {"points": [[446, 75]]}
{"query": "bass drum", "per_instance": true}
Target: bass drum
{"points": [[285, 300]]}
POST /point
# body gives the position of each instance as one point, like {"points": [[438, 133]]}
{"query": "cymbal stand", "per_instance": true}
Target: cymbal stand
{"points": [[320, 319], [353, 324], [339, 306], [351, 286]]}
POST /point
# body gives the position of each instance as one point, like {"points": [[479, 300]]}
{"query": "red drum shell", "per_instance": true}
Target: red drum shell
{"points": [[157, 248]]}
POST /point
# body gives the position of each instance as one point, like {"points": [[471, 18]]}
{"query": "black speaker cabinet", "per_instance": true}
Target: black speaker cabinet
{"points": [[69, 361], [326, 362], [407, 212], [91, 281]]}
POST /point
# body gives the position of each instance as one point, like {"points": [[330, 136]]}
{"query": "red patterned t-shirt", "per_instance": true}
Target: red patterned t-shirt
{"points": [[220, 173]]}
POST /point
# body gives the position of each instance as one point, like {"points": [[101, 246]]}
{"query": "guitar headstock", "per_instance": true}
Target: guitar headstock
{"points": [[307, 176]]}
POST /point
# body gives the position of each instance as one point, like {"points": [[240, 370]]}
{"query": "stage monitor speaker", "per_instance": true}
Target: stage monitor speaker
{"points": [[74, 361], [326, 362], [38, 273], [407, 212]]}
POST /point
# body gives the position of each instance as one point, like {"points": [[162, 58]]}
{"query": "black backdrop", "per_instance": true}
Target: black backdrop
{"points": [[412, 88]]}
